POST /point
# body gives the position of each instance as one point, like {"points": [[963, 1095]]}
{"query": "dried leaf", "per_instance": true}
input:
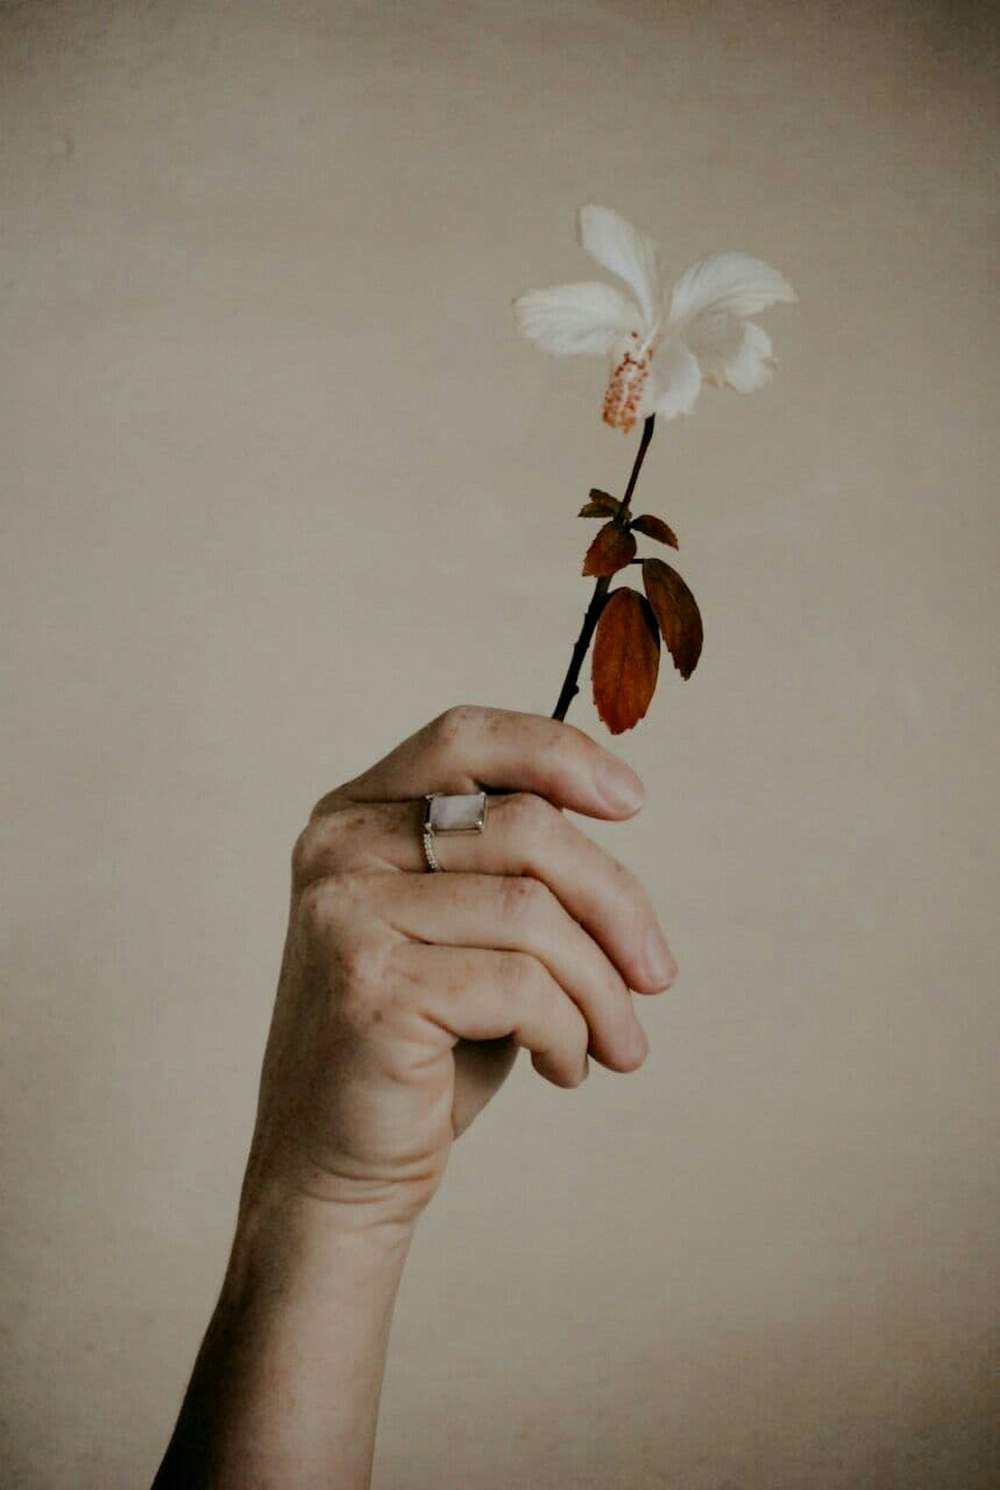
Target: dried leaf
{"points": [[626, 660], [601, 504], [677, 613], [654, 527], [611, 550]]}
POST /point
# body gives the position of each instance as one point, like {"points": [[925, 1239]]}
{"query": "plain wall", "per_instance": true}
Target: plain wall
{"points": [[281, 482]]}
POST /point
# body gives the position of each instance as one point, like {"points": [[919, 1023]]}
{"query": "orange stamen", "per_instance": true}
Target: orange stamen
{"points": [[628, 379]]}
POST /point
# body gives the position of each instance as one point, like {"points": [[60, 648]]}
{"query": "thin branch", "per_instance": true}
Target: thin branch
{"points": [[571, 683]]}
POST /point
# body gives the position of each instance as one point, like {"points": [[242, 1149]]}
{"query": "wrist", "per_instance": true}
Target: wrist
{"points": [[286, 1387], [286, 1240], [282, 1180]]}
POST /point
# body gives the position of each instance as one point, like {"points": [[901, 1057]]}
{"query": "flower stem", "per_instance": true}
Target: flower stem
{"points": [[571, 684]]}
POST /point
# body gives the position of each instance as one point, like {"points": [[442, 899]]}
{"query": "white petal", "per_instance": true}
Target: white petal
{"points": [[753, 365], [620, 247], [589, 318], [727, 282], [731, 352], [674, 381]]}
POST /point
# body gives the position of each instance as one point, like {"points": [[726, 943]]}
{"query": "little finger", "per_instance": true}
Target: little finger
{"points": [[520, 914], [476, 994]]}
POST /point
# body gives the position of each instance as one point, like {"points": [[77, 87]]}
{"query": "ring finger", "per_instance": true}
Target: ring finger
{"points": [[524, 835]]}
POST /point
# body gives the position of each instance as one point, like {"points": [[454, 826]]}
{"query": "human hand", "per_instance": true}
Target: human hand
{"points": [[405, 995], [402, 1001]]}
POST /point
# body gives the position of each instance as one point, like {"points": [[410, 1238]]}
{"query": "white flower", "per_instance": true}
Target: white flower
{"points": [[660, 355]]}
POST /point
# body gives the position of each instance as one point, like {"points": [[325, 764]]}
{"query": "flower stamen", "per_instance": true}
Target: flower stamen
{"points": [[625, 389]]}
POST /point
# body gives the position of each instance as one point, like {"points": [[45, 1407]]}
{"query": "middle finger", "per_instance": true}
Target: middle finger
{"points": [[524, 835]]}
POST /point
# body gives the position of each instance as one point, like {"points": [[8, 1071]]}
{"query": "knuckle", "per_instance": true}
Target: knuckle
{"points": [[328, 803], [361, 980], [303, 851], [522, 898], [324, 824], [513, 971], [529, 813], [564, 748], [317, 909], [333, 843], [454, 725], [524, 977], [328, 903]]}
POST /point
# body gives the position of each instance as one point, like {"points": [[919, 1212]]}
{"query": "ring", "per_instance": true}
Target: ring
{"points": [[461, 813]]}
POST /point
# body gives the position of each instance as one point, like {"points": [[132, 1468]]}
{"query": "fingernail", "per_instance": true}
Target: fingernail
{"points": [[620, 787], [660, 961]]}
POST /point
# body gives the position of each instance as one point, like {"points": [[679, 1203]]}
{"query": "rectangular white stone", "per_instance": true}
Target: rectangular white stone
{"points": [[461, 813]]}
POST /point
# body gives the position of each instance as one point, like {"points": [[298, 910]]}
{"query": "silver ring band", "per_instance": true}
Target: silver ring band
{"points": [[427, 838]]}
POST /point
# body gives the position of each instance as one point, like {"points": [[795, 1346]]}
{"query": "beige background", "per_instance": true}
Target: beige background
{"points": [[281, 483]]}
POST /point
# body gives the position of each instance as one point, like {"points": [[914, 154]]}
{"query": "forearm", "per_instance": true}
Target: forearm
{"points": [[286, 1388]]}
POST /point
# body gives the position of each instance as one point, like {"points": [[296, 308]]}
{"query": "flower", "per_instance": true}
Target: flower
{"points": [[660, 356]]}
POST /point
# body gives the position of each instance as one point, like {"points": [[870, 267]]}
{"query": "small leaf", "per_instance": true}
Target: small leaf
{"points": [[611, 550], [654, 527], [677, 613], [601, 504], [626, 660]]}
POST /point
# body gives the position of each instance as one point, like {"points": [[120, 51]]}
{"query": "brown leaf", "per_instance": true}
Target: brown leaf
{"points": [[626, 660], [654, 527], [611, 550], [677, 613], [601, 504]]}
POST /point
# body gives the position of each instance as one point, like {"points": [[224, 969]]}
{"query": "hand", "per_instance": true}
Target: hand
{"points": [[404, 995], [403, 998]]}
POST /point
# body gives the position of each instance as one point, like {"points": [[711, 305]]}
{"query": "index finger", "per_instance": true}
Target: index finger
{"points": [[469, 749]]}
